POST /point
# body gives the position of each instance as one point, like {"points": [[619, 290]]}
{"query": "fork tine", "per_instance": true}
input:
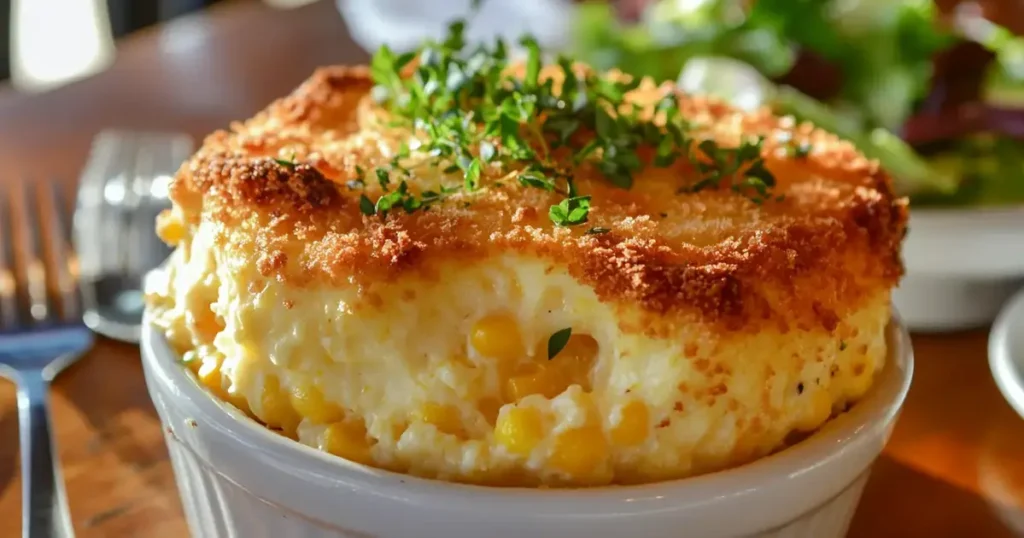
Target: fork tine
{"points": [[34, 264], [8, 285], [62, 259]]}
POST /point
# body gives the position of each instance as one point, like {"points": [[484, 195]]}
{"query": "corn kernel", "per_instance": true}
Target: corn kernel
{"points": [[209, 376], [816, 410], [206, 325], [489, 408], [519, 429], [579, 347], [397, 429], [348, 440], [276, 410], [535, 378], [239, 400], [579, 451], [445, 418], [632, 428], [170, 228], [307, 399], [497, 336], [575, 360]]}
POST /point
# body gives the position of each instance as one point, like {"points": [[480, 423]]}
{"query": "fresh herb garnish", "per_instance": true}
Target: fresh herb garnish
{"points": [[723, 164], [842, 345], [383, 178], [366, 206], [287, 163], [357, 182], [798, 151], [598, 230], [570, 211], [470, 113], [557, 342]]}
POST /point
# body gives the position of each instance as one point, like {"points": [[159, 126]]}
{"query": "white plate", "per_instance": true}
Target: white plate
{"points": [[1006, 353], [403, 24], [962, 266]]}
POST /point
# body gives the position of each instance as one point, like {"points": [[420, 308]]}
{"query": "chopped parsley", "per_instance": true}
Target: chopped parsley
{"points": [[842, 345], [366, 206], [723, 164], [798, 151], [470, 115], [557, 342], [598, 230], [570, 211], [287, 163]]}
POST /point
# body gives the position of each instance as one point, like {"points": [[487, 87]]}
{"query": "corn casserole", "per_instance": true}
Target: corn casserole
{"points": [[510, 313]]}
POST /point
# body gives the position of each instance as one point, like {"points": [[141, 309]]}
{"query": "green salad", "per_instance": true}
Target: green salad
{"points": [[938, 100]]}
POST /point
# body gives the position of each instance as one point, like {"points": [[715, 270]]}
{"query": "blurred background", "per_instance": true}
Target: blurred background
{"points": [[932, 89], [45, 43]]}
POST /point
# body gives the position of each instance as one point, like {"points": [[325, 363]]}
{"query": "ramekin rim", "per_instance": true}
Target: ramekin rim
{"points": [[875, 412], [1000, 361]]}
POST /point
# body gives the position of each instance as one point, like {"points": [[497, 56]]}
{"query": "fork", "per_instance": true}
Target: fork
{"points": [[122, 190], [41, 333]]}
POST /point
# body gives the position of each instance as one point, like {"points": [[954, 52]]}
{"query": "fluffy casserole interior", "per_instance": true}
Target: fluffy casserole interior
{"points": [[706, 330]]}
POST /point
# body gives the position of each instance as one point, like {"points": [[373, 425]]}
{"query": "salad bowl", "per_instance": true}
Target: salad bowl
{"points": [[936, 97]]}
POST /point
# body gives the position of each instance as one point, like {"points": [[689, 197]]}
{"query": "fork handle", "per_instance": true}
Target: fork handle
{"points": [[44, 508]]}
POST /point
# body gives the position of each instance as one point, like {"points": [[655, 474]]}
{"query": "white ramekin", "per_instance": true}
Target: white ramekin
{"points": [[238, 479]]}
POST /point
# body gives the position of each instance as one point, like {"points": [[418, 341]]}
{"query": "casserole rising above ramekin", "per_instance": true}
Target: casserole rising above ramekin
{"points": [[448, 266], [238, 478]]}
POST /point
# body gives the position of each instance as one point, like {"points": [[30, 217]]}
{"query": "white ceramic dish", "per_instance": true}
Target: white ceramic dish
{"points": [[237, 478], [962, 266], [1006, 352]]}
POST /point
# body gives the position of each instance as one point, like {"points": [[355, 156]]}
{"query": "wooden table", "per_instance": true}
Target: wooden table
{"points": [[955, 466]]}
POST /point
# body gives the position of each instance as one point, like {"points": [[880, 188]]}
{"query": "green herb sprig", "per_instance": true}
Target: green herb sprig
{"points": [[557, 342], [722, 164], [798, 151], [470, 114], [287, 163]]}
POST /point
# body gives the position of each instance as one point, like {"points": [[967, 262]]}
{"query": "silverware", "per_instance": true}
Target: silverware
{"points": [[122, 190], [41, 332]]}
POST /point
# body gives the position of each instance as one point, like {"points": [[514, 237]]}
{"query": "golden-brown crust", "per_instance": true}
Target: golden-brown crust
{"points": [[712, 255]]}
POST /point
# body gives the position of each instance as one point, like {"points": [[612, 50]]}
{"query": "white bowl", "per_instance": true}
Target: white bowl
{"points": [[1006, 353], [237, 478], [962, 266]]}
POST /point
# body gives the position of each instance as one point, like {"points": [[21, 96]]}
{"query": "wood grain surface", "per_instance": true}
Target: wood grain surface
{"points": [[954, 468]]}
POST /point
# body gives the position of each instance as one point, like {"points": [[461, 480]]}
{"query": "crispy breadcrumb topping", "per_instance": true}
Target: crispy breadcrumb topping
{"points": [[281, 185]]}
